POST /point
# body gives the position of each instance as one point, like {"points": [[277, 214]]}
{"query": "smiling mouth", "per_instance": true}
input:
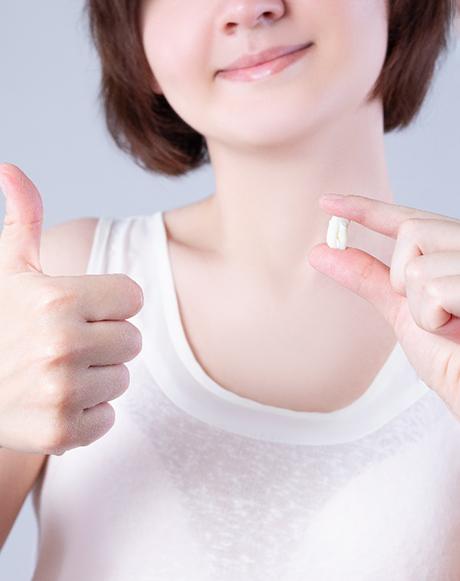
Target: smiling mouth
{"points": [[271, 54], [265, 69]]}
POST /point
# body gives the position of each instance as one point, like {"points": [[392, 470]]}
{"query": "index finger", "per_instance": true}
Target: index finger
{"points": [[383, 217], [108, 297]]}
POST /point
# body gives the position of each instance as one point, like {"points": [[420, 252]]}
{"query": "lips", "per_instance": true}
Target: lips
{"points": [[270, 54]]}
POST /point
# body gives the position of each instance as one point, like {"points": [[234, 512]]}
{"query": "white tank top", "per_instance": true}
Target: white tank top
{"points": [[194, 482]]}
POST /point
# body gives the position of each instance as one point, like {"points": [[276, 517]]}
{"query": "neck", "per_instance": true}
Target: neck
{"points": [[265, 213]]}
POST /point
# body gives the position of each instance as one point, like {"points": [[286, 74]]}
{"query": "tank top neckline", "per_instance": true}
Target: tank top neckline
{"points": [[394, 388]]}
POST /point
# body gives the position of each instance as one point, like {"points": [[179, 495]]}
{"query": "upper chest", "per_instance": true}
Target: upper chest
{"points": [[315, 349]]}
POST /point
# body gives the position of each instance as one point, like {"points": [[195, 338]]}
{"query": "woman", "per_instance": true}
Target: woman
{"points": [[294, 411]]}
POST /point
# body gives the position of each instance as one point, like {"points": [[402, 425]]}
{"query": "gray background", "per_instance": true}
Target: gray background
{"points": [[52, 128]]}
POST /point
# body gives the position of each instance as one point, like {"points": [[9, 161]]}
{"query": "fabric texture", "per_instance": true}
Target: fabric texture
{"points": [[194, 482]]}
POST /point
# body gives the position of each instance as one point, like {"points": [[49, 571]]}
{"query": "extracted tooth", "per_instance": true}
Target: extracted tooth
{"points": [[337, 232]]}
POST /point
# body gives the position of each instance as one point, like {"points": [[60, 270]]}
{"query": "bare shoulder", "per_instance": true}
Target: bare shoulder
{"points": [[65, 248], [64, 251]]}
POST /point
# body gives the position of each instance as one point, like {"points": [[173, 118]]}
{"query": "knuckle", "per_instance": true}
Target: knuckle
{"points": [[108, 416], [134, 337], [120, 383], [125, 376], [57, 395], [52, 297], [60, 349], [137, 342], [431, 289], [413, 270]]}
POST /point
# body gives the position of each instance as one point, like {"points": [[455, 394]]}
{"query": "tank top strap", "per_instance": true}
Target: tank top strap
{"points": [[124, 245], [119, 245], [97, 262]]}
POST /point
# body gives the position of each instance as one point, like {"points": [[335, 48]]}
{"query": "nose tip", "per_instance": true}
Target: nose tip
{"points": [[251, 14]]}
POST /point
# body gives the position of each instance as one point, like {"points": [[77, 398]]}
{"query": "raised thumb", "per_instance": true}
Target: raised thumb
{"points": [[22, 226]]}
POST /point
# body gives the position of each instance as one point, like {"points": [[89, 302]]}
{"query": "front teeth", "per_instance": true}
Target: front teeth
{"points": [[337, 233]]}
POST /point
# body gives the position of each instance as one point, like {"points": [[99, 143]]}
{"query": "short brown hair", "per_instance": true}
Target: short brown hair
{"points": [[143, 124]]}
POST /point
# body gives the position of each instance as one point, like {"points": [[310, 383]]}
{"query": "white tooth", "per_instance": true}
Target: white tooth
{"points": [[337, 232], [332, 232]]}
